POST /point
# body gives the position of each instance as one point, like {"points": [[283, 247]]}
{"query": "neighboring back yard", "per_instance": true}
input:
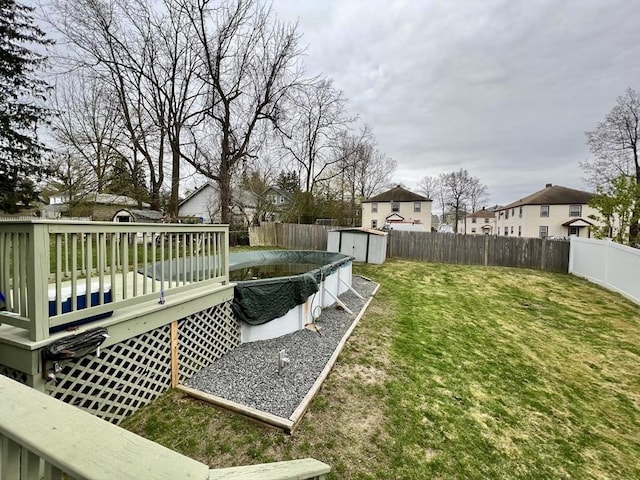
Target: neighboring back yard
{"points": [[453, 372]]}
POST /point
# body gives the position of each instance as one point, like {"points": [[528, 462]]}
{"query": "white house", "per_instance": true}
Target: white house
{"points": [[482, 222], [396, 206], [204, 204], [552, 211]]}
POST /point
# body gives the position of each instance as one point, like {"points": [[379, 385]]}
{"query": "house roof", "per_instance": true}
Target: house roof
{"points": [[577, 222], [397, 194], [553, 195], [482, 214], [197, 191]]}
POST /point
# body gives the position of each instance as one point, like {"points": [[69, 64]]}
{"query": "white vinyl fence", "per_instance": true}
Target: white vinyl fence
{"points": [[606, 263]]}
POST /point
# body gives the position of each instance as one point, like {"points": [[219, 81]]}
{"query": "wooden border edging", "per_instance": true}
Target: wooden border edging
{"points": [[286, 424], [254, 413], [299, 412]]}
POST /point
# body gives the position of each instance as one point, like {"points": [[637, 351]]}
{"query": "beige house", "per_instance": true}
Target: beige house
{"points": [[552, 211], [397, 207], [482, 222]]}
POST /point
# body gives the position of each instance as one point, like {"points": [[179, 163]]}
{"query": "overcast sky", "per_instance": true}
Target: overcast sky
{"points": [[505, 90]]}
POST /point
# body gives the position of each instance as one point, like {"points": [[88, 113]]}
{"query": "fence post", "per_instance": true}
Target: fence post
{"points": [[607, 246], [572, 242], [486, 250]]}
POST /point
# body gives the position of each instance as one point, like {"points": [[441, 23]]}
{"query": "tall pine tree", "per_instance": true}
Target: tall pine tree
{"points": [[22, 96]]}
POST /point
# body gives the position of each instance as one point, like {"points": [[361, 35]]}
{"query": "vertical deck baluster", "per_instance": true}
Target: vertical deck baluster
{"points": [[145, 261], [24, 258], [124, 255], [15, 251], [154, 259], [66, 255], [135, 265], [4, 269], [9, 459], [162, 286], [51, 472], [113, 265], [30, 465], [82, 254], [88, 240], [74, 271], [184, 258], [59, 273], [170, 247], [102, 246]]}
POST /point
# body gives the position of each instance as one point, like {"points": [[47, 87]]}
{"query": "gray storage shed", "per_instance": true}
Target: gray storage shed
{"points": [[364, 244]]}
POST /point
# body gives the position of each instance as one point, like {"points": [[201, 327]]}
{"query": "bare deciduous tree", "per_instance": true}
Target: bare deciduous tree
{"points": [[457, 190], [249, 63], [144, 54], [87, 129], [616, 148], [311, 136]]}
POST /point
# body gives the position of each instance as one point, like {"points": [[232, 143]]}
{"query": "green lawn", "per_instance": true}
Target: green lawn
{"points": [[454, 372]]}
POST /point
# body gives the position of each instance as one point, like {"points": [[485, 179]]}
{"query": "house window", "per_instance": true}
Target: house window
{"points": [[498, 230], [374, 207], [520, 214], [473, 220], [486, 220], [520, 230], [417, 207], [511, 229], [544, 231], [506, 215], [374, 223], [473, 230], [506, 231], [544, 211], [575, 210], [513, 212], [395, 206], [574, 231]]}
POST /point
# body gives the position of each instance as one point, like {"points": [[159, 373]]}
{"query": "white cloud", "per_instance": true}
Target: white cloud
{"points": [[504, 89]]}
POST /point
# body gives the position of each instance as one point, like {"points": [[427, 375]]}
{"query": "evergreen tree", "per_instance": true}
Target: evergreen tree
{"points": [[21, 109]]}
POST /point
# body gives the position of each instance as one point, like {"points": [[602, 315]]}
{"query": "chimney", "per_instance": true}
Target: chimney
{"points": [[548, 185]]}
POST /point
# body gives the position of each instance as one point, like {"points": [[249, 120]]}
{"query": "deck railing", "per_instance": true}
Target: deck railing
{"points": [[41, 437], [54, 273]]}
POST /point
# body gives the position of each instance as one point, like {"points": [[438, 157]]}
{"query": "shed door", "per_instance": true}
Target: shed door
{"points": [[355, 244]]}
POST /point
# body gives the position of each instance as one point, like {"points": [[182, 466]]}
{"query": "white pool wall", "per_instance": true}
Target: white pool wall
{"points": [[301, 315]]}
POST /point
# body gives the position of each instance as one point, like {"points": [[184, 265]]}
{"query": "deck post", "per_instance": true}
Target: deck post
{"points": [[37, 281]]}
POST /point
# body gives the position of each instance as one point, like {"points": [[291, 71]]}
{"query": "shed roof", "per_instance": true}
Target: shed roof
{"points": [[553, 195], [397, 194], [372, 231]]}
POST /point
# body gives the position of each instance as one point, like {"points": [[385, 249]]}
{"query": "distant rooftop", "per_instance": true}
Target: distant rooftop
{"points": [[553, 195], [397, 194]]}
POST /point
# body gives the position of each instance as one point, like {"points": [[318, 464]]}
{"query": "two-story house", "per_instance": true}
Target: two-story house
{"points": [[482, 222], [552, 211], [396, 206]]}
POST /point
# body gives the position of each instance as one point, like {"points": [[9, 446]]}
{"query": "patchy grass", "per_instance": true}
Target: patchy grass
{"points": [[454, 372]]}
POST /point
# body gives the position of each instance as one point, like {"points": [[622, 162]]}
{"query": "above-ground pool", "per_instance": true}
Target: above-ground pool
{"points": [[299, 284]]}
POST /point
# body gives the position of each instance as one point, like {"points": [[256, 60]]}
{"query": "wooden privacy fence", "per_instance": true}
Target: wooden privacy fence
{"points": [[290, 235], [536, 253]]}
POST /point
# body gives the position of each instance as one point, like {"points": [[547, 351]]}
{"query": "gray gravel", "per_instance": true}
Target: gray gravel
{"points": [[249, 374]]}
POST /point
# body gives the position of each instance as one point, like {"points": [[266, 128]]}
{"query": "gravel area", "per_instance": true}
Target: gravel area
{"points": [[249, 375]]}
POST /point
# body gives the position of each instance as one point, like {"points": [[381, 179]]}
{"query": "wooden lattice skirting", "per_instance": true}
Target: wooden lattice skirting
{"points": [[128, 375]]}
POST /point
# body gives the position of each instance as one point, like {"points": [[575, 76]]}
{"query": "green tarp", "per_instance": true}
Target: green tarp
{"points": [[260, 301]]}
